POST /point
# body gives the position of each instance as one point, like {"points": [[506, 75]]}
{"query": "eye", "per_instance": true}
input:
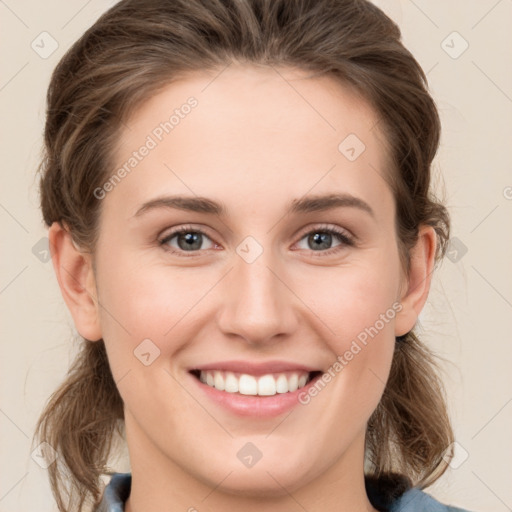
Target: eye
{"points": [[188, 239], [322, 237]]}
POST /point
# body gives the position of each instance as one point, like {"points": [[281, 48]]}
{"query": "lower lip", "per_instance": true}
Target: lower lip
{"points": [[253, 405]]}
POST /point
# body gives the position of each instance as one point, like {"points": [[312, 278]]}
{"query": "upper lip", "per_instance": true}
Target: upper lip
{"points": [[253, 368]]}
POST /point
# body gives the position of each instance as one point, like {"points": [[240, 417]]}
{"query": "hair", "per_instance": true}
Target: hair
{"points": [[140, 46]]}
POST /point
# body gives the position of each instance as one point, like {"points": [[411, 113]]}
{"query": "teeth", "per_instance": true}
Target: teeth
{"points": [[302, 381], [293, 382], [218, 381], [265, 385], [231, 385], [247, 385], [282, 384]]}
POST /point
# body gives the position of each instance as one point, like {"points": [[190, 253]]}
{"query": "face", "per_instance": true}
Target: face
{"points": [[288, 269]]}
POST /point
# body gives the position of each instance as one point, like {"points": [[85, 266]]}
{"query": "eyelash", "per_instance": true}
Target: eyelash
{"points": [[342, 237]]}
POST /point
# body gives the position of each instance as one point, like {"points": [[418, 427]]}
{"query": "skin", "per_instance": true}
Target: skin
{"points": [[258, 139]]}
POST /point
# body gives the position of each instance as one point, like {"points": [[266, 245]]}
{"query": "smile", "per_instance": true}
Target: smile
{"points": [[258, 385]]}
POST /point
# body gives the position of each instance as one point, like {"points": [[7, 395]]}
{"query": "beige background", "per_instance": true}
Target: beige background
{"points": [[468, 318]]}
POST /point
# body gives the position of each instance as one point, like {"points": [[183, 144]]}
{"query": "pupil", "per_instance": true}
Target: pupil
{"points": [[190, 239], [324, 238]]}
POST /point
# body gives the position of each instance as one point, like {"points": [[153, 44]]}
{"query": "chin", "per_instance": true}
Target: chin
{"points": [[265, 483]]}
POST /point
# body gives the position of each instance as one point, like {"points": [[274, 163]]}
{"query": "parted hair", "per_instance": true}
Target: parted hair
{"points": [[138, 47]]}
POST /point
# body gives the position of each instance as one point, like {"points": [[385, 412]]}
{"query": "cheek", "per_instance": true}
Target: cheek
{"points": [[143, 301], [353, 298], [357, 306], [359, 310]]}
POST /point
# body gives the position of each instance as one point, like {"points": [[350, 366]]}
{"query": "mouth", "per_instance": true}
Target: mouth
{"points": [[266, 385]]}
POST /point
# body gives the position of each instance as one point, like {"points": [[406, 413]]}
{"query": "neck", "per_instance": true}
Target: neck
{"points": [[159, 484]]}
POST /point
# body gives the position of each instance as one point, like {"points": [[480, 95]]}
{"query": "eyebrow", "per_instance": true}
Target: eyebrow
{"points": [[312, 203]]}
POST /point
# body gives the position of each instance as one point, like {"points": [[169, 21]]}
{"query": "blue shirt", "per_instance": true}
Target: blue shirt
{"points": [[413, 500]]}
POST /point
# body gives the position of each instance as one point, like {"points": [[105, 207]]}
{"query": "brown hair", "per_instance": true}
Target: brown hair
{"points": [[140, 46]]}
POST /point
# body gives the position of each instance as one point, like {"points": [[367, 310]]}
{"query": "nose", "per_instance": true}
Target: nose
{"points": [[259, 305]]}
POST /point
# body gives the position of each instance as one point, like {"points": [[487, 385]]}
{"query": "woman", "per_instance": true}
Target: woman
{"points": [[241, 224]]}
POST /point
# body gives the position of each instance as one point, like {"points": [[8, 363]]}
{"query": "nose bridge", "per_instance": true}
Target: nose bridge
{"points": [[258, 305]]}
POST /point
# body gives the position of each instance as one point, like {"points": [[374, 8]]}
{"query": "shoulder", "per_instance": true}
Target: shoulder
{"points": [[393, 492], [415, 500], [116, 493]]}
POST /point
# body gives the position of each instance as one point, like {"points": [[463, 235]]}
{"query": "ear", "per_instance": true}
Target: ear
{"points": [[416, 285], [74, 272]]}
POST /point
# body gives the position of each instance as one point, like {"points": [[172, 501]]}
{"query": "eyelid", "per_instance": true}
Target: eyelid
{"points": [[326, 227], [346, 238], [184, 228], [181, 228]]}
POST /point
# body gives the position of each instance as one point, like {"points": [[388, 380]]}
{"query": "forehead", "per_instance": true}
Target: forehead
{"points": [[264, 99], [270, 131]]}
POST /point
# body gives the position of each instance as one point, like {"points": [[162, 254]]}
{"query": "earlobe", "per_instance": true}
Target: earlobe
{"points": [[417, 284], [75, 276]]}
